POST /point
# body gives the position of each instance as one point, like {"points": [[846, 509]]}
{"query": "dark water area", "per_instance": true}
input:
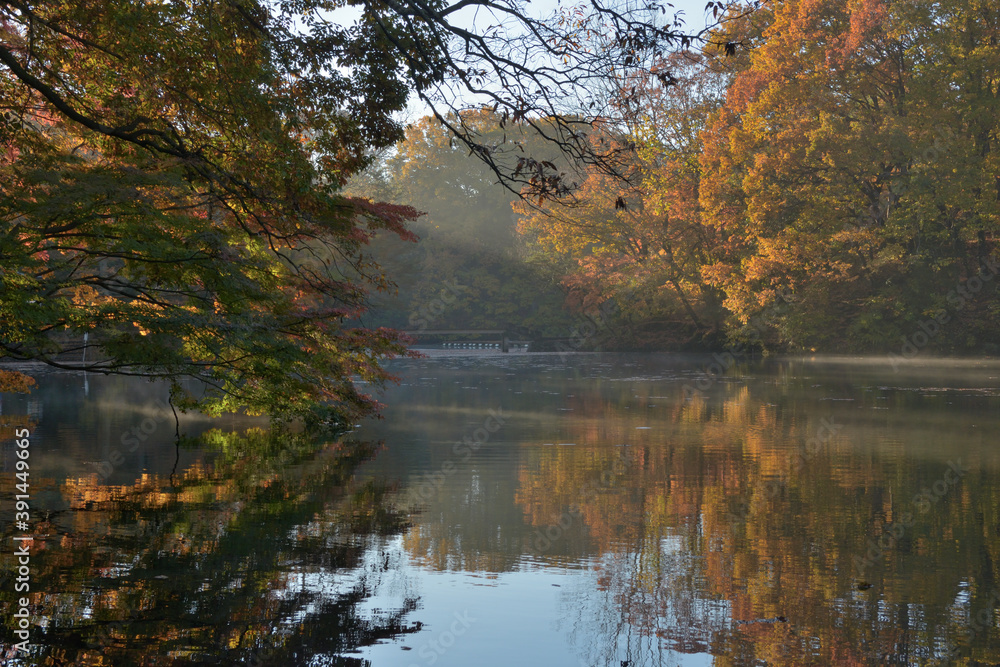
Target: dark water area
{"points": [[536, 509]]}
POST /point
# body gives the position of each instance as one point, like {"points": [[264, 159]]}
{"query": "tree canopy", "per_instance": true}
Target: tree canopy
{"points": [[170, 181], [854, 165]]}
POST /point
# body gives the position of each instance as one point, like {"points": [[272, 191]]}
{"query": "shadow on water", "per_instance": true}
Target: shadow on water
{"points": [[261, 551]]}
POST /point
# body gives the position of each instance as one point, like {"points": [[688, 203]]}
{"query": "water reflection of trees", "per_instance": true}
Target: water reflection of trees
{"points": [[714, 540], [267, 555]]}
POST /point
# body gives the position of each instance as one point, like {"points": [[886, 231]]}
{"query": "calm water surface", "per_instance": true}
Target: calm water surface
{"points": [[524, 509]]}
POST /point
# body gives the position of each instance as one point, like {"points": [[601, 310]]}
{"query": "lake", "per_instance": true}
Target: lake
{"points": [[535, 509]]}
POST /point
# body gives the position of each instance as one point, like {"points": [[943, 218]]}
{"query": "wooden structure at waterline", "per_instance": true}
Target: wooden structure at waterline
{"points": [[485, 339]]}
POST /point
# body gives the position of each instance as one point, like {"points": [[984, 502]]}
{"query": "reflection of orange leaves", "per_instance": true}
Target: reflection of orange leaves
{"points": [[17, 382]]}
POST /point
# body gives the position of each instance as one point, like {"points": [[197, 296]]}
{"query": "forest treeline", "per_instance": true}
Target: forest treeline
{"points": [[832, 185]]}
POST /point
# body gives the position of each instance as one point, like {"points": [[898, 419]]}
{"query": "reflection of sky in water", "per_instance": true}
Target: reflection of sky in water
{"points": [[537, 614], [530, 616], [607, 602], [610, 518]]}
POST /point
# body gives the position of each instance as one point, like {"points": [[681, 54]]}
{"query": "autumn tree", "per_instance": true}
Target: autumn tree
{"points": [[641, 240], [183, 213], [853, 166]]}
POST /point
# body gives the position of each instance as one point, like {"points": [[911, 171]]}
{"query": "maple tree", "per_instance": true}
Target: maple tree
{"points": [[170, 191]]}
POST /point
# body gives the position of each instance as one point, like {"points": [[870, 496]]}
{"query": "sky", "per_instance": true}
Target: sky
{"points": [[692, 13], [693, 10]]}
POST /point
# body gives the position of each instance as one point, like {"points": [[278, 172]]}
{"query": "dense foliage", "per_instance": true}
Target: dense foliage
{"points": [[854, 165], [170, 180]]}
